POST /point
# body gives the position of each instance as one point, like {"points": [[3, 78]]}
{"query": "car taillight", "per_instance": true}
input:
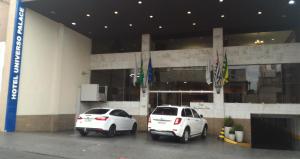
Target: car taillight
{"points": [[103, 118], [79, 118], [177, 121], [149, 120]]}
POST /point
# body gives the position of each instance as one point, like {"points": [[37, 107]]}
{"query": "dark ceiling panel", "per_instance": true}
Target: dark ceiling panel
{"points": [[240, 16]]}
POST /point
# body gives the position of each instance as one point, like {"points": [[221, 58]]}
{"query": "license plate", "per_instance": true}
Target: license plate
{"points": [[161, 122], [88, 120]]}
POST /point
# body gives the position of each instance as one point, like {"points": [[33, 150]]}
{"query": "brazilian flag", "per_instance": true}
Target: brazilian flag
{"points": [[225, 70]]}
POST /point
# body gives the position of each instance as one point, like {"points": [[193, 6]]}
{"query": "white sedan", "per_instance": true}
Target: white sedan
{"points": [[106, 121]]}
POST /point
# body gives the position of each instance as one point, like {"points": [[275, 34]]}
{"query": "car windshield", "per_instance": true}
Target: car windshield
{"points": [[97, 111], [165, 111]]}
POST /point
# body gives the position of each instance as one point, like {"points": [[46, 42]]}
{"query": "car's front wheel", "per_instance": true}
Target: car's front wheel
{"points": [[112, 131], [204, 132], [134, 128], [185, 136]]}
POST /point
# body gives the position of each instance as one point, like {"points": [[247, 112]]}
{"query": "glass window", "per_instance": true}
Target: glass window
{"points": [[124, 114], [188, 113], [271, 83], [172, 43], [260, 38], [196, 115], [119, 82], [97, 111], [183, 113], [180, 78], [116, 112], [165, 111]]}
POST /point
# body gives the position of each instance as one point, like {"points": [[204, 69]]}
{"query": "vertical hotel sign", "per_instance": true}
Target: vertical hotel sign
{"points": [[15, 68]]}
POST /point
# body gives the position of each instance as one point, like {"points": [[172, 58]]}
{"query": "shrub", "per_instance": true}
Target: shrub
{"points": [[232, 131], [238, 127], [228, 122]]}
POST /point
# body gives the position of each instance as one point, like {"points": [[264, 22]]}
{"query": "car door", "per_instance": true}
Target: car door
{"points": [[126, 121], [197, 121], [190, 121], [115, 115]]}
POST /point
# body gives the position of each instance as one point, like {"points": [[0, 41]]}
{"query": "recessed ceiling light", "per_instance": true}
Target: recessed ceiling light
{"points": [[116, 12], [105, 26], [194, 23], [259, 12], [283, 16], [52, 12], [88, 15], [292, 2], [151, 16], [73, 23], [188, 12], [140, 2], [221, 1], [160, 27], [130, 25], [222, 16]]}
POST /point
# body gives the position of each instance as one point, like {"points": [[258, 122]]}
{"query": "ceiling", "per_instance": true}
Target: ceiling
{"points": [[171, 15]]}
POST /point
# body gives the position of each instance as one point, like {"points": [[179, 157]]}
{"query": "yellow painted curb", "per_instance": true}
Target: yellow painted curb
{"points": [[229, 141]]}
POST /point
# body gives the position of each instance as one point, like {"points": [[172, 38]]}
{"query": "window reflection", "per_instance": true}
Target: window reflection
{"points": [[119, 82], [273, 83]]}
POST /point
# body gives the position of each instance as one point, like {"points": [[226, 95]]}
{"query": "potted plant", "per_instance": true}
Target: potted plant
{"points": [[239, 134], [232, 134], [228, 123]]}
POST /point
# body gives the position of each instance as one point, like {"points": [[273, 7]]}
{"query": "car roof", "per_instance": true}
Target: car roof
{"points": [[174, 106]]}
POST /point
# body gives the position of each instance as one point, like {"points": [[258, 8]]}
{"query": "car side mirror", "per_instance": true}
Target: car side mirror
{"points": [[130, 116], [201, 116]]}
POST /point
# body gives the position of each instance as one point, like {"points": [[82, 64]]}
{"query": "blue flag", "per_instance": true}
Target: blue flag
{"points": [[150, 71]]}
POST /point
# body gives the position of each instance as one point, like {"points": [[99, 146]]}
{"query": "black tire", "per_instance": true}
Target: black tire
{"points": [[134, 129], [83, 133], [112, 131], [154, 137], [204, 132], [185, 136]]}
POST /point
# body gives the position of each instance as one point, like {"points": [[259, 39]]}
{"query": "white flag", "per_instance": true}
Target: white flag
{"points": [[208, 72]]}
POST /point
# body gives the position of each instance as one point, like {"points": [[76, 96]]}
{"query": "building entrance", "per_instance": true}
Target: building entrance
{"points": [[179, 97]]}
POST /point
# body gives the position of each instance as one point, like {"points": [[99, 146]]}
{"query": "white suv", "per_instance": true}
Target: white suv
{"points": [[178, 121]]}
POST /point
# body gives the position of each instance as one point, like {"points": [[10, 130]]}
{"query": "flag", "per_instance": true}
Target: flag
{"points": [[218, 73], [225, 70], [135, 71], [208, 72], [141, 77], [150, 71]]}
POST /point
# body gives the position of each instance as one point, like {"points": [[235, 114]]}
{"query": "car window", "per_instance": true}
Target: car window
{"points": [[196, 115], [183, 113], [165, 111], [116, 112], [97, 111], [124, 114], [188, 113]]}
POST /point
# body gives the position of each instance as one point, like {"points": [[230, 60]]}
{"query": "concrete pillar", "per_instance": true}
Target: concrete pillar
{"points": [[7, 63], [144, 92], [218, 48], [297, 32]]}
